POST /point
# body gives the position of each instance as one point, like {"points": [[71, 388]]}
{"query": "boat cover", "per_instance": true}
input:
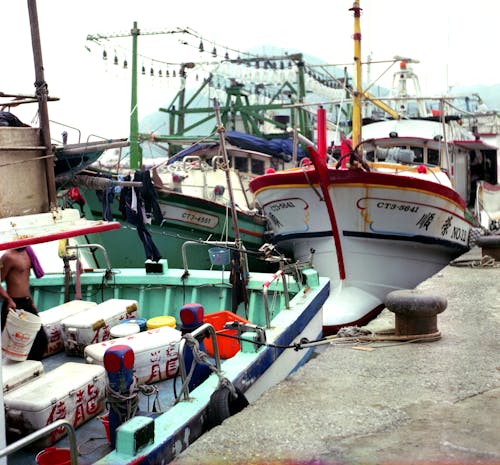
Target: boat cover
{"points": [[281, 148]]}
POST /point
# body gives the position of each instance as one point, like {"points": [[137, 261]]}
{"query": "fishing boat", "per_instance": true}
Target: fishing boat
{"points": [[385, 216], [142, 360], [253, 348], [193, 198], [69, 158], [190, 175]]}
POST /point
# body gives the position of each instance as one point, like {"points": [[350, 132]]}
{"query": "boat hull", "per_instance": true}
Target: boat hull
{"points": [[185, 218], [387, 232]]}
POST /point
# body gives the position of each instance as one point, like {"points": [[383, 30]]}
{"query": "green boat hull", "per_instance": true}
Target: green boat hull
{"points": [[186, 218]]}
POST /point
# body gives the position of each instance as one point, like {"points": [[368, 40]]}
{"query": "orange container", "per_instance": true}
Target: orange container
{"points": [[227, 346]]}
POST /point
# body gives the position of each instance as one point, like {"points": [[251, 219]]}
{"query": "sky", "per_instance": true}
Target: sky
{"points": [[454, 41]]}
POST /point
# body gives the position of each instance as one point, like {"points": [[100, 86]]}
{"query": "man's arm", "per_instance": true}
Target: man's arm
{"points": [[3, 293]]}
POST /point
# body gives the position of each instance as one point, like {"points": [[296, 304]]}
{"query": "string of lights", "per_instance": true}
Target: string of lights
{"points": [[261, 76]]}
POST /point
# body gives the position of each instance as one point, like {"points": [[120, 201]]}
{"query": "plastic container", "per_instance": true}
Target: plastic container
{"points": [[219, 256], [124, 330], [19, 334], [140, 321], [160, 321], [228, 347], [54, 456]]}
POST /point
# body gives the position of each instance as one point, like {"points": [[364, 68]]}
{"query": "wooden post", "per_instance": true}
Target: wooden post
{"points": [[42, 95]]}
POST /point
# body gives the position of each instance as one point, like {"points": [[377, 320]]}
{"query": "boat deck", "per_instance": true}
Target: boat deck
{"points": [[91, 436]]}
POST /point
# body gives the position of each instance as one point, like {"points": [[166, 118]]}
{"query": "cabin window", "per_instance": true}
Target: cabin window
{"points": [[419, 154], [258, 167], [370, 156], [433, 157], [241, 164]]}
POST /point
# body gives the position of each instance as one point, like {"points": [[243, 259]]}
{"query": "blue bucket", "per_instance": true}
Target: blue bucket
{"points": [[219, 256]]}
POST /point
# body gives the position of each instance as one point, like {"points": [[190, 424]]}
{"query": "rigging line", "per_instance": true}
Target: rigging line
{"points": [[200, 241]]}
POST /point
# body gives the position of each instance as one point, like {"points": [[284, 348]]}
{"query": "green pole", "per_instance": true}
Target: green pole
{"points": [[135, 153]]}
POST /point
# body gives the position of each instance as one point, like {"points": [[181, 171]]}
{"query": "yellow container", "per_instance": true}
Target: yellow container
{"points": [[159, 321]]}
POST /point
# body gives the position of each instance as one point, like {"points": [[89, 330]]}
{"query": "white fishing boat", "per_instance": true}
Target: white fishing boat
{"points": [[387, 216]]}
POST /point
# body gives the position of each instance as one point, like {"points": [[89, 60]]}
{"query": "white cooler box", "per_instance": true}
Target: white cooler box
{"points": [[74, 391], [156, 353], [51, 322], [15, 374], [94, 324]]}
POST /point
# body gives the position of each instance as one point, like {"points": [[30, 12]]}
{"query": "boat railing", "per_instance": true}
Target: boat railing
{"points": [[36, 435], [67, 126], [93, 246], [186, 244], [265, 288], [201, 330]]}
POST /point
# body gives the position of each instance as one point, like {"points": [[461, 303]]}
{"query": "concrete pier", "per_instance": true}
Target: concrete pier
{"points": [[385, 402]]}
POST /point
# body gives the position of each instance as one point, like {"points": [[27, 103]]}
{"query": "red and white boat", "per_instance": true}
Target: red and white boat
{"points": [[388, 220]]}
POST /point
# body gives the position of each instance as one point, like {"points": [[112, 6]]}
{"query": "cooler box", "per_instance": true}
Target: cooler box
{"points": [[74, 391], [156, 353], [94, 324], [15, 374], [228, 347], [51, 322]]}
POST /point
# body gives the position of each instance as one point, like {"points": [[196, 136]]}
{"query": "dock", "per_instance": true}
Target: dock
{"points": [[385, 402]]}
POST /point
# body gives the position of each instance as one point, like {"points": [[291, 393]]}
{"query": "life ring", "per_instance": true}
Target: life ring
{"points": [[223, 404]]}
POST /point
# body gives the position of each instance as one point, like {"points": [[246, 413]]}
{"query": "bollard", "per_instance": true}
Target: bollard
{"points": [[490, 246], [119, 365], [415, 311]]}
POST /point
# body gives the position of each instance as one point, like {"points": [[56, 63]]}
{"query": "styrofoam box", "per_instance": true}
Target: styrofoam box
{"points": [[14, 374], [94, 324], [74, 391], [51, 322], [156, 353]]}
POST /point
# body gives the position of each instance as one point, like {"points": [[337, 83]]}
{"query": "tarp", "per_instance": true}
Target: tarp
{"points": [[276, 147]]}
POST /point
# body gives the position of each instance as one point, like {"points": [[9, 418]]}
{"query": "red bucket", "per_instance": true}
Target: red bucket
{"points": [[105, 422], [54, 456]]}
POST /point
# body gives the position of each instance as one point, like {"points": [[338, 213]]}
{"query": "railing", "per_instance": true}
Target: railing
{"points": [[92, 246], [214, 243], [182, 369], [265, 288], [14, 447]]}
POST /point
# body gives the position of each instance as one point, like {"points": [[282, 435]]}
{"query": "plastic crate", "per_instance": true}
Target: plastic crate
{"points": [[228, 347]]}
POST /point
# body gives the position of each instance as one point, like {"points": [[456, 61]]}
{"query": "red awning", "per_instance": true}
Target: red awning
{"points": [[20, 231]]}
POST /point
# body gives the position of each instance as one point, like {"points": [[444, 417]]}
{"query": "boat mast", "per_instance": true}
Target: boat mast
{"points": [[42, 93], [135, 152], [222, 140], [358, 90]]}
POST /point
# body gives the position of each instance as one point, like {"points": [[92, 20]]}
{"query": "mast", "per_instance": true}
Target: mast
{"points": [[42, 93], [358, 88], [135, 152]]}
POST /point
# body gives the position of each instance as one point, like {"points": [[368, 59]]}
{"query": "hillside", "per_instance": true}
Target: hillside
{"points": [[489, 94]]}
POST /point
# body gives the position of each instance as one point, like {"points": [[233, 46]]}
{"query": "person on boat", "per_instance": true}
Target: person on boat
{"points": [[15, 267]]}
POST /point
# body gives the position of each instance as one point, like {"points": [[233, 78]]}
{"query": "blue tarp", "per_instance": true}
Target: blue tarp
{"points": [[276, 147]]}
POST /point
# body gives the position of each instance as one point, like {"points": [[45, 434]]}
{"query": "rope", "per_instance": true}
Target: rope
{"points": [[151, 390], [124, 405], [202, 358], [347, 336], [485, 262]]}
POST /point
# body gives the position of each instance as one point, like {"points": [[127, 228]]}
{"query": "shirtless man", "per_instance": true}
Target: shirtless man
{"points": [[15, 267]]}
